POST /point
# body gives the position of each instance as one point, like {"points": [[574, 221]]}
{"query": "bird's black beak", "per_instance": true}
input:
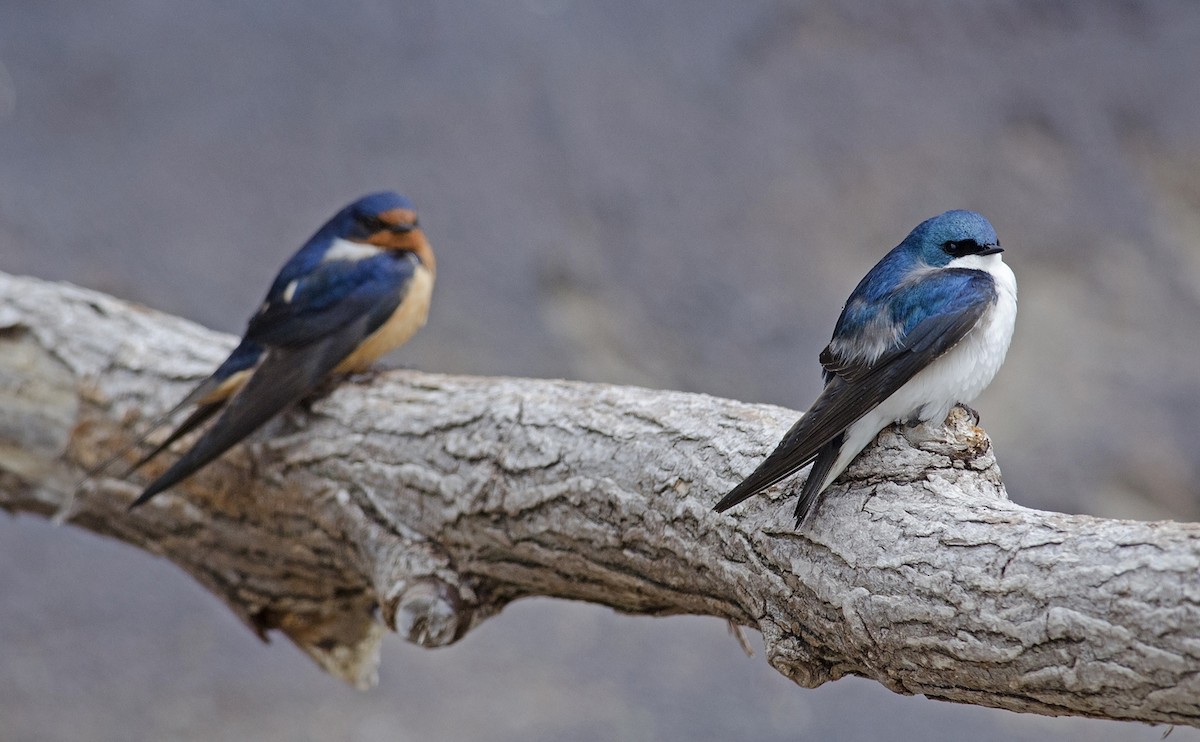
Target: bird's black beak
{"points": [[990, 250]]}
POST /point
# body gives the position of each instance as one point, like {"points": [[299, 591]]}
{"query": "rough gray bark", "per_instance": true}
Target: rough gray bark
{"points": [[429, 502]]}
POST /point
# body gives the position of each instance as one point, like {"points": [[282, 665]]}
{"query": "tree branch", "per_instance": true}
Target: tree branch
{"points": [[429, 502]]}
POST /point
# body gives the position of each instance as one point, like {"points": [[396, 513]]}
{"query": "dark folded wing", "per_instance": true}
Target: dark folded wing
{"points": [[333, 295], [284, 376]]}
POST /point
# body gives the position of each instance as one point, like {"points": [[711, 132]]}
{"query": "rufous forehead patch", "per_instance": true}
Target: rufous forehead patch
{"points": [[399, 217], [395, 240]]}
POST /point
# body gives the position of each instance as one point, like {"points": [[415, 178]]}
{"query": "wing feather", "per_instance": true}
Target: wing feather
{"points": [[285, 374]]}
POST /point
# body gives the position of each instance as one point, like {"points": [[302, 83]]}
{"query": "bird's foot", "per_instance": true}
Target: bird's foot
{"points": [[974, 413]]}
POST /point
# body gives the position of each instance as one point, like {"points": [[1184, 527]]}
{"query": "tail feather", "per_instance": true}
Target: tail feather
{"points": [[810, 493], [202, 390], [778, 466], [198, 416]]}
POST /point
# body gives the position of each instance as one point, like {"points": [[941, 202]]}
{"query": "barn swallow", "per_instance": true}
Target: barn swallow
{"points": [[358, 288], [925, 329]]}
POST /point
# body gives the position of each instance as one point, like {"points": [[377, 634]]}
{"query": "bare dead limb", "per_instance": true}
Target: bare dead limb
{"points": [[429, 502]]}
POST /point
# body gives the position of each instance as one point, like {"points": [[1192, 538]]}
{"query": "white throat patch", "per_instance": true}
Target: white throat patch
{"points": [[346, 250]]}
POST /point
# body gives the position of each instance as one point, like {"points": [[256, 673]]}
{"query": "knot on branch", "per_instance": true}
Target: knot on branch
{"points": [[421, 597], [427, 612]]}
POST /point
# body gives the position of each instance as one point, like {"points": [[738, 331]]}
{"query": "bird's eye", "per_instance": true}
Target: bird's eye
{"points": [[372, 223], [958, 248]]}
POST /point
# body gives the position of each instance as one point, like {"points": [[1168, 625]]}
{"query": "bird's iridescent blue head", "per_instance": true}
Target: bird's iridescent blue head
{"points": [[386, 220], [374, 213], [952, 235]]}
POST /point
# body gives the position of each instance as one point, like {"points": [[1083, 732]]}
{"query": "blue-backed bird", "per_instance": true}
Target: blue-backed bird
{"points": [[925, 329], [355, 290]]}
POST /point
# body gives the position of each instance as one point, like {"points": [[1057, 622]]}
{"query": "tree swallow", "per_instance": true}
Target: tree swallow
{"points": [[355, 290], [926, 328]]}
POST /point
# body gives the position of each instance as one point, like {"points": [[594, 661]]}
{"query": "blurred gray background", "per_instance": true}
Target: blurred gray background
{"points": [[671, 194]]}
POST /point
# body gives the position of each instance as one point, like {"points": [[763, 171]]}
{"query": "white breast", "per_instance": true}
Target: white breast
{"points": [[958, 376], [967, 368]]}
